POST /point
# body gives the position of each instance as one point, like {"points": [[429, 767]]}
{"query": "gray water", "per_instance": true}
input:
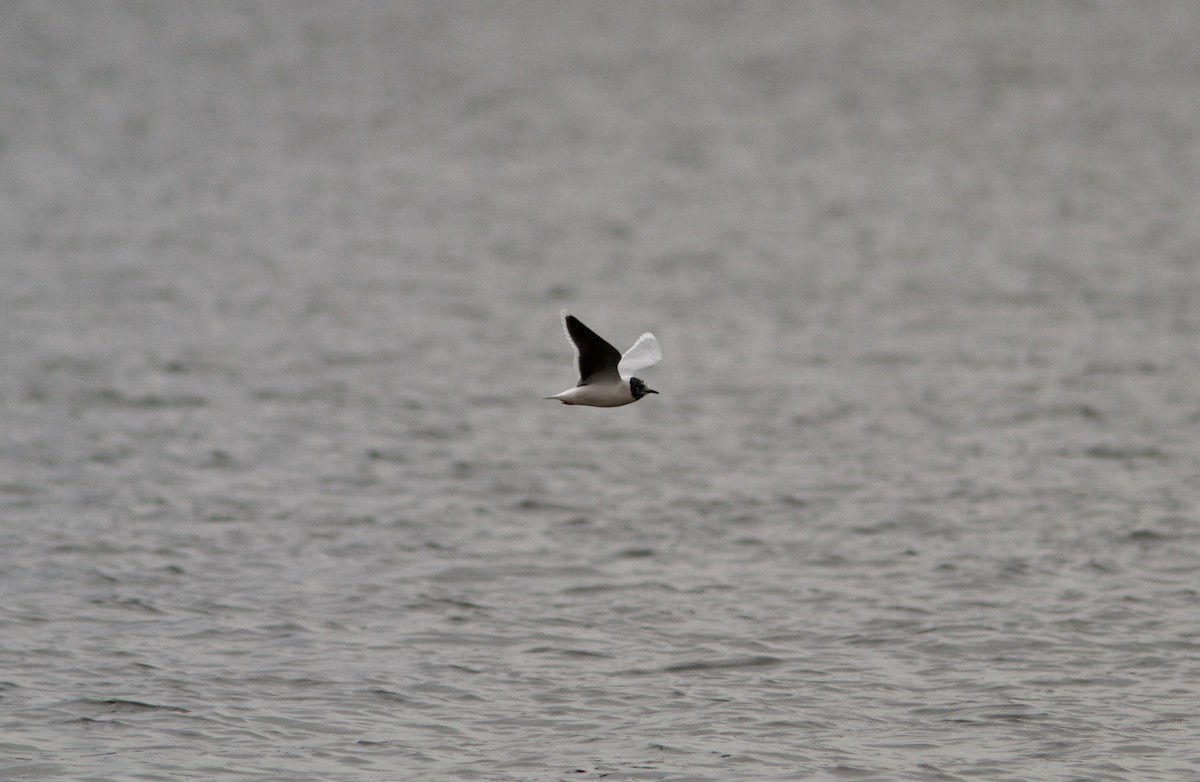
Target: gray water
{"points": [[280, 499]]}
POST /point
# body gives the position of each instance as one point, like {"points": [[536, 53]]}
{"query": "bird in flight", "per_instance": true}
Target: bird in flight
{"points": [[605, 376]]}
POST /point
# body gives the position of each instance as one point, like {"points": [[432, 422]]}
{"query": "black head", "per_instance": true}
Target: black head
{"points": [[638, 388]]}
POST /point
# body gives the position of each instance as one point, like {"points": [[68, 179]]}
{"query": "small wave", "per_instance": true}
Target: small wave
{"points": [[125, 706], [114, 398], [1124, 452], [718, 664]]}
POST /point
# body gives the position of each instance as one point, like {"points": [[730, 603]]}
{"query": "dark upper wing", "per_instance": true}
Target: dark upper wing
{"points": [[595, 359]]}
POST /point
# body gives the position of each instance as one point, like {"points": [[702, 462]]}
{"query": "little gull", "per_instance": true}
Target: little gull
{"points": [[605, 376]]}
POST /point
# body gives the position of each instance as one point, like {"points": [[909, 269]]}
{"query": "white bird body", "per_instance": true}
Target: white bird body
{"points": [[607, 395], [605, 376]]}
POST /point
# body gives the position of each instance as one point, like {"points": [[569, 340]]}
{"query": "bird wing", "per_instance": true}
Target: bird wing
{"points": [[595, 359], [644, 353]]}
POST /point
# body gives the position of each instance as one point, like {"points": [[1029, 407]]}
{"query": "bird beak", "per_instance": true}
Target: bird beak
{"points": [[651, 391]]}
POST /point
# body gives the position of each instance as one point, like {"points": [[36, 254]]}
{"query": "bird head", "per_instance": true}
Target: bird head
{"points": [[638, 388]]}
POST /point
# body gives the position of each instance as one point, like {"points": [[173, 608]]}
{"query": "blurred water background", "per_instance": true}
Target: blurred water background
{"points": [[279, 498]]}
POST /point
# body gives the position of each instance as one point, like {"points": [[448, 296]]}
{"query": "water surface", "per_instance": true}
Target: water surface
{"points": [[281, 500]]}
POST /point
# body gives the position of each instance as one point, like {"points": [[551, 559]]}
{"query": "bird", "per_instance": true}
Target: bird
{"points": [[605, 376]]}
